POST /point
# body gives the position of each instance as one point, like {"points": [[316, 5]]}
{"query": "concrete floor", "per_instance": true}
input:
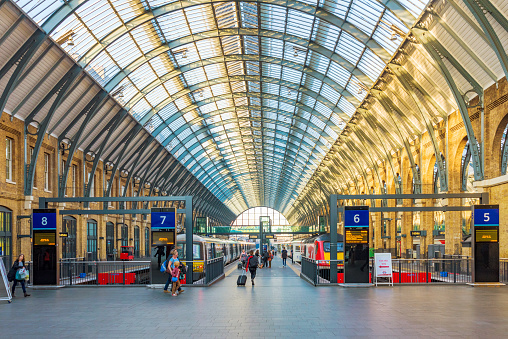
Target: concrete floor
{"points": [[279, 305]]}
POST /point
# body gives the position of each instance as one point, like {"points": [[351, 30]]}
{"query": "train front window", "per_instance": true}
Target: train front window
{"points": [[196, 251], [326, 247]]}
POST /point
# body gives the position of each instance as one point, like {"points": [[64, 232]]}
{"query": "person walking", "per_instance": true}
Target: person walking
{"points": [[175, 278], [265, 257], [243, 258], [252, 266], [270, 257], [13, 276], [284, 255], [170, 265]]}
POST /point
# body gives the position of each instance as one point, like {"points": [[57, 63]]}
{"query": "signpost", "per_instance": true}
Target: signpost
{"points": [[356, 244], [44, 269], [163, 240], [383, 267], [4, 284], [485, 243]]}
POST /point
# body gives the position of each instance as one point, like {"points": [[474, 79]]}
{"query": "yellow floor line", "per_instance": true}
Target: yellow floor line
{"points": [[235, 267], [291, 266]]}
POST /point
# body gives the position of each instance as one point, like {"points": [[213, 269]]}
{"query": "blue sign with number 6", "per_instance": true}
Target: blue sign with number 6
{"points": [[356, 218]]}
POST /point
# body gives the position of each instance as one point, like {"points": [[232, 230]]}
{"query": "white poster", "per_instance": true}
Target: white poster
{"points": [[383, 264]]}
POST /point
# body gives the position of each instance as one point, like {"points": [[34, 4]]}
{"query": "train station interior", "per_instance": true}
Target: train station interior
{"points": [[358, 146]]}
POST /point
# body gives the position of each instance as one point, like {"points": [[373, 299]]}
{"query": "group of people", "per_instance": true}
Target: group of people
{"points": [[176, 270], [251, 262]]}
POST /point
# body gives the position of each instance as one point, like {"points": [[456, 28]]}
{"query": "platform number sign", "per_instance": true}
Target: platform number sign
{"points": [[163, 218], [356, 216], [486, 215], [44, 219]]}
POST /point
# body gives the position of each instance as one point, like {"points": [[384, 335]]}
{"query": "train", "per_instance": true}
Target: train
{"points": [[207, 248], [314, 247]]}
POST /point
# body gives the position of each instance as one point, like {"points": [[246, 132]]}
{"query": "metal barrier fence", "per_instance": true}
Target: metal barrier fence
{"points": [[413, 271], [102, 273], [503, 270], [214, 269]]}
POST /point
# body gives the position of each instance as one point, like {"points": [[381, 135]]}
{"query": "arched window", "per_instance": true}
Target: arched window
{"points": [[136, 241], [504, 151], [69, 243], [6, 235], [125, 235], [91, 240], [110, 240]]}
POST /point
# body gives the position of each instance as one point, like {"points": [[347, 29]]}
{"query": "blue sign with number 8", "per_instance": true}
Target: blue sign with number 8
{"points": [[44, 221]]}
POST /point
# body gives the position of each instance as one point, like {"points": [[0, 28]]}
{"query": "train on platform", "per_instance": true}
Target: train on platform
{"points": [[207, 248]]}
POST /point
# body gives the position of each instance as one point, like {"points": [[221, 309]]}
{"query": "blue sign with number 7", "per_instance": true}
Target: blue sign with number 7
{"points": [[163, 218]]}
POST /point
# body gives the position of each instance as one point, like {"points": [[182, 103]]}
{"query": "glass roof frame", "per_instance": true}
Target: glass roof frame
{"points": [[234, 26]]}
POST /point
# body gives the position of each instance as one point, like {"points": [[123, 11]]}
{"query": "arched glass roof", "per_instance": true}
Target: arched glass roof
{"points": [[248, 95]]}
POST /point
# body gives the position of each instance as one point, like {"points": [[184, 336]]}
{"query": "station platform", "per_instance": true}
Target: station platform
{"points": [[280, 305]]}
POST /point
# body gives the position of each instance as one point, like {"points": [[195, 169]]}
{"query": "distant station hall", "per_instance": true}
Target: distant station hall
{"points": [[314, 167]]}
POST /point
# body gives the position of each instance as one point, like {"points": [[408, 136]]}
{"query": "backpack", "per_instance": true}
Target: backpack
{"points": [[253, 262], [163, 266]]}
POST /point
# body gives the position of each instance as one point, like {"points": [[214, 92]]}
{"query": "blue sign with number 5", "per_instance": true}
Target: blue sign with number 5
{"points": [[486, 217], [356, 218], [163, 219], [44, 220]]}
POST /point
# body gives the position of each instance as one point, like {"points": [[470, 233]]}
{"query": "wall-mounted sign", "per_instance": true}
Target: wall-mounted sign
{"points": [[269, 236], [44, 219], [253, 236], [482, 235], [64, 234], [418, 233], [163, 218]]}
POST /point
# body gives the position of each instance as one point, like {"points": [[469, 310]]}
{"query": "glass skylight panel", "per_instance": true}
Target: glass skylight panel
{"points": [[190, 116], [174, 25], [299, 24], [161, 64], [182, 102], [238, 87], [371, 65], [163, 134], [231, 45], [146, 37], [142, 76], [338, 74], [184, 134], [325, 34], [168, 111], [349, 48], [102, 68], [346, 107], [271, 88], [331, 133], [153, 123], [317, 122], [215, 71], [354, 88], [364, 14], [415, 7], [82, 38], [225, 103], [157, 95], [292, 75], [126, 87], [241, 101], [127, 9], [272, 47], [174, 85], [225, 13], [286, 107], [179, 122], [200, 18], [220, 89], [140, 109], [313, 84], [330, 94], [235, 68], [195, 76], [99, 17], [273, 18], [208, 48]]}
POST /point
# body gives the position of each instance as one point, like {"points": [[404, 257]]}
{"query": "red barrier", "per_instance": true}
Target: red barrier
{"points": [[412, 277], [116, 278]]}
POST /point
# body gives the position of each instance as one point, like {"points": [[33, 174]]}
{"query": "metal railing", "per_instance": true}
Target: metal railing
{"points": [[405, 271], [503, 270], [104, 273], [214, 269]]}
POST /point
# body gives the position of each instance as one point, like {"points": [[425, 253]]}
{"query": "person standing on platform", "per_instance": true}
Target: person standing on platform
{"points": [[284, 255], [170, 265], [265, 257], [270, 257], [252, 266], [12, 276]]}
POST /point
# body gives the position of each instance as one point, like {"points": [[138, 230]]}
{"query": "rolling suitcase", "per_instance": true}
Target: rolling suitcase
{"points": [[242, 279]]}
